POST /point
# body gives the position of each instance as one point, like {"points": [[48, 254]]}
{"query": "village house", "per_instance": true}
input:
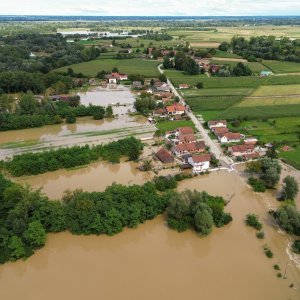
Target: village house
{"points": [[217, 123], [241, 150], [193, 147], [114, 77], [176, 109], [161, 112], [229, 137], [200, 163], [183, 86], [219, 130], [161, 87], [251, 140], [164, 156]]}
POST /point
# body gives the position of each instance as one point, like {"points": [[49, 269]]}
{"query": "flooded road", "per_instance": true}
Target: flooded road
{"points": [[153, 262]]}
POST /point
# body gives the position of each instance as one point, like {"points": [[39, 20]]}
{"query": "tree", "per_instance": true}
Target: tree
{"points": [[272, 153], [16, 247], [241, 70], [27, 104], [199, 85], [190, 66], [224, 46], [70, 118], [203, 220], [115, 70], [101, 74], [290, 188], [270, 172], [35, 235], [163, 78], [167, 63], [109, 111]]}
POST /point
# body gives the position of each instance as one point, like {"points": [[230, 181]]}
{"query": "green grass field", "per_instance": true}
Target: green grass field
{"points": [[279, 90], [292, 157], [171, 125], [147, 68], [269, 101], [282, 66]]}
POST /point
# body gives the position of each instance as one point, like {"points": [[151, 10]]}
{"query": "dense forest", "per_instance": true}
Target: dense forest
{"points": [[37, 163], [26, 216], [265, 47]]}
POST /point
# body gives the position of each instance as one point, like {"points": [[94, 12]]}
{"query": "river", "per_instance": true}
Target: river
{"points": [[153, 262]]}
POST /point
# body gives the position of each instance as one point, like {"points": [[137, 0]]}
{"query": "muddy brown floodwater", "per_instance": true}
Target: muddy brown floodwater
{"points": [[153, 262]]}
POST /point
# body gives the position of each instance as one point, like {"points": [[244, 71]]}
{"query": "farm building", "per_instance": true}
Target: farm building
{"points": [[164, 156]]}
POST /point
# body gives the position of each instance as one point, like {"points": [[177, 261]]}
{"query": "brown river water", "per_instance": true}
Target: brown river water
{"points": [[153, 262]]}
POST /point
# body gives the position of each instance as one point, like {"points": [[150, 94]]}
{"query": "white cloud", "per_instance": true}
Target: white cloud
{"points": [[150, 7]]}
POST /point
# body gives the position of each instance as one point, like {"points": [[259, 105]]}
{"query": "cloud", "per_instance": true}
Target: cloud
{"points": [[151, 7]]}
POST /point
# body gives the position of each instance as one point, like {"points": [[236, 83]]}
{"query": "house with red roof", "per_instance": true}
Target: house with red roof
{"points": [[241, 150], [219, 130], [114, 77], [193, 147], [176, 109], [200, 162]]}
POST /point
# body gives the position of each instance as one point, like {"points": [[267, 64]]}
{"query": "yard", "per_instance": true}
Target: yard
{"points": [[148, 68], [171, 125]]}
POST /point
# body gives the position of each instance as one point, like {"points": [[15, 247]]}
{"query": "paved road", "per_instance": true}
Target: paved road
{"points": [[214, 147]]}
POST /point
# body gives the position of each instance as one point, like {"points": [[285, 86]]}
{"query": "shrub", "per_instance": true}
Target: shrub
{"points": [[252, 221], [258, 185], [260, 235], [296, 246], [268, 252]]}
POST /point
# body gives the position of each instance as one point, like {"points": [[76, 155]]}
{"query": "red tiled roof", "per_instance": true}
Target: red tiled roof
{"points": [[179, 107], [191, 147], [170, 108], [251, 155], [185, 130], [164, 156], [184, 85], [201, 158], [187, 138], [242, 148], [219, 130]]}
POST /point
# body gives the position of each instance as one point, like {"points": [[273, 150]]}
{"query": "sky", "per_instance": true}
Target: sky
{"points": [[150, 7]]}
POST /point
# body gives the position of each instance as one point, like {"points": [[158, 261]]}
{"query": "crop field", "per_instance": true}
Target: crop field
{"points": [[203, 103], [279, 90], [222, 34], [216, 92], [267, 101], [282, 66], [260, 112], [292, 157], [178, 77], [147, 68], [205, 44]]}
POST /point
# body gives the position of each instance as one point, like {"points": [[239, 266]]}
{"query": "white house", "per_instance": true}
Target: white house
{"points": [[200, 163], [229, 137]]}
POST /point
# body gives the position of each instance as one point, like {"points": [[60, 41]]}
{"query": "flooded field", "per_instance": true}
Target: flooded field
{"points": [[153, 262], [95, 177], [107, 96]]}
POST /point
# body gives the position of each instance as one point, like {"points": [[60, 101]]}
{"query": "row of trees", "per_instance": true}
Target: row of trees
{"points": [[37, 163], [28, 112], [265, 47]]}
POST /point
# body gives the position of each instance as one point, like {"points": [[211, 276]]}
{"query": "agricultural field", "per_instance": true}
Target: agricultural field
{"points": [[279, 90], [282, 66], [178, 77], [148, 68], [268, 101], [216, 92], [292, 157], [224, 34]]}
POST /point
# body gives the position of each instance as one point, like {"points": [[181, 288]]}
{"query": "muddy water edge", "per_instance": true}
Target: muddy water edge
{"points": [[153, 262]]}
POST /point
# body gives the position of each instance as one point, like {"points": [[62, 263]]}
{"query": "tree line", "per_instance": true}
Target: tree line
{"points": [[41, 162], [29, 112], [265, 47], [26, 216]]}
